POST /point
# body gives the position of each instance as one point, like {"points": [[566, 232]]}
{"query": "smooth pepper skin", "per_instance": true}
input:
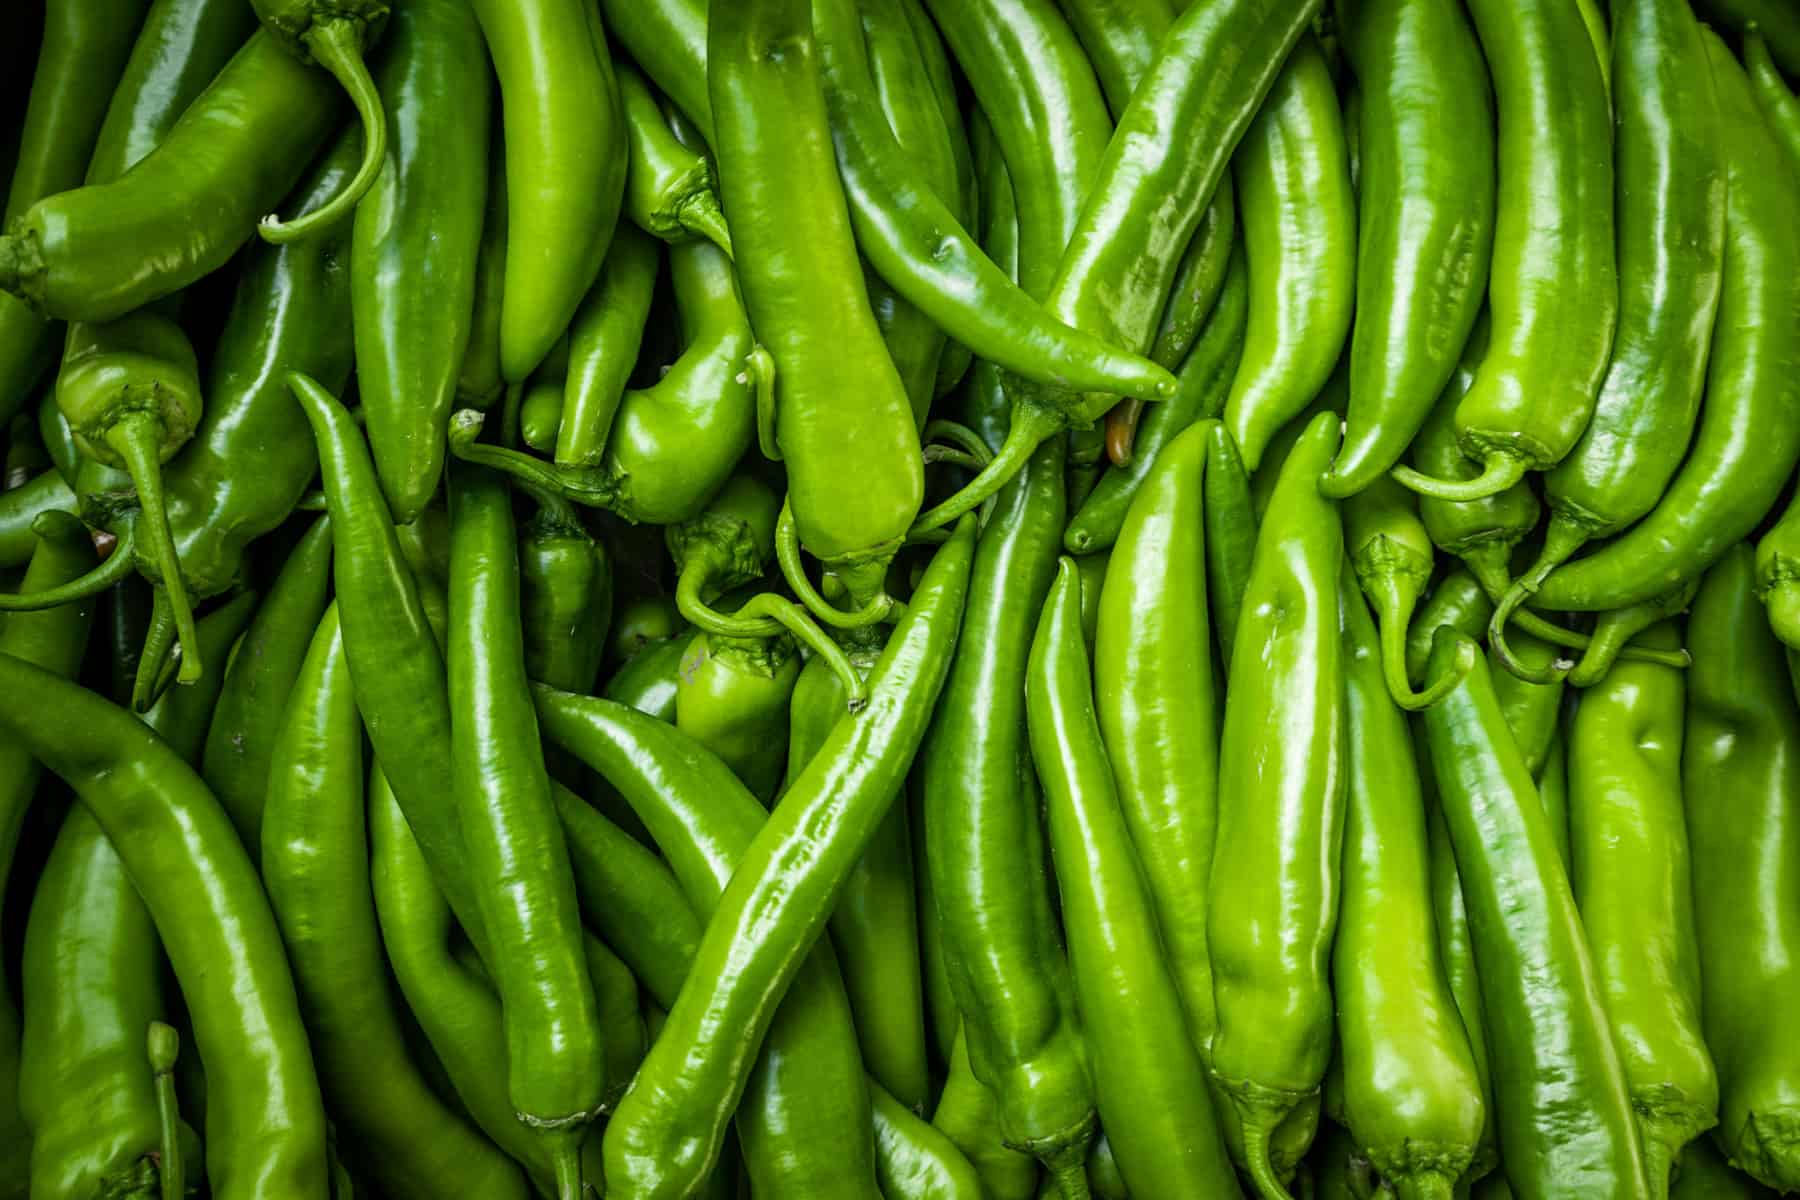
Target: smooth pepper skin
{"points": [[416, 242], [1628, 845], [875, 927], [1299, 216], [513, 842], [266, 1122], [604, 338], [805, 1117], [83, 57], [253, 698], [1553, 288], [1740, 772], [731, 696], [1150, 192], [667, 1130], [565, 598], [1671, 200], [1148, 1073], [565, 164], [1562, 1106], [1272, 896], [985, 848], [1425, 207], [53, 639], [803, 288], [1413, 1098], [96, 253], [1773, 95], [1155, 700], [668, 186], [1748, 438], [315, 864]]}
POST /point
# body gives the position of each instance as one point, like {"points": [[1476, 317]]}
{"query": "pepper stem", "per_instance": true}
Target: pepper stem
{"points": [[565, 1161], [1258, 1128], [879, 608], [1032, 425], [136, 439], [1396, 614], [164, 1044], [336, 45], [1508, 604], [701, 216], [114, 568], [590, 486], [159, 640], [1499, 472], [1427, 1186]]}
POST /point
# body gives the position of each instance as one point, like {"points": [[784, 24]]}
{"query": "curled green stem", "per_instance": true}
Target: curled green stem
{"points": [[116, 567], [336, 44], [767, 615], [880, 607], [1031, 425], [1499, 472], [1509, 603], [1393, 662]]}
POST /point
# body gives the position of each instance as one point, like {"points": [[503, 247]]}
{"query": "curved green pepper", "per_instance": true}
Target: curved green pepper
{"points": [[669, 190]]}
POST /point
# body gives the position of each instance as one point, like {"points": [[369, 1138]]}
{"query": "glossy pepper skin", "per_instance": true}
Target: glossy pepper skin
{"points": [[1749, 436], [1201, 387], [416, 242], [1425, 205], [53, 639], [266, 1132], [1553, 286], [669, 191], [1299, 216], [805, 1118], [565, 165], [875, 927], [796, 262], [1633, 882], [253, 698], [96, 253], [1413, 1098], [565, 598], [1671, 201], [667, 1129], [1773, 95], [85, 51], [513, 842], [1153, 690], [1563, 1110], [1214, 68], [315, 866], [985, 848], [1273, 891], [1148, 1073], [1739, 764], [604, 336], [731, 696]]}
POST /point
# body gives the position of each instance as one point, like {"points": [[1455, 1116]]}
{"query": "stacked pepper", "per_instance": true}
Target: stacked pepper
{"points": [[945, 599]]}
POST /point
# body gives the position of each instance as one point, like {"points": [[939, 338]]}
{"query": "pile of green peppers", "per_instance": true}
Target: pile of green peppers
{"points": [[900, 599]]}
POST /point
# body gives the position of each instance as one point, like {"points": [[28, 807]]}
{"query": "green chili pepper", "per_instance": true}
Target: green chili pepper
{"points": [[457, 1012], [797, 264], [668, 186], [807, 1082], [1148, 1073], [1747, 442], [1458, 601], [565, 597], [86, 48], [1413, 1097], [1393, 556], [478, 381], [1553, 288], [1553, 794], [1153, 687], [1633, 884], [731, 696], [969, 1116], [514, 848], [1425, 183], [257, 682], [266, 1123], [1273, 889], [1777, 102], [1201, 387], [1774, 21], [1299, 217], [1214, 68], [315, 866], [1616, 627], [1738, 767], [874, 928], [985, 850], [1671, 214], [1562, 1106], [1230, 537], [565, 165], [603, 345], [56, 439], [666, 1144], [1120, 40], [1533, 710], [417, 241], [648, 682], [98, 252], [53, 639]]}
